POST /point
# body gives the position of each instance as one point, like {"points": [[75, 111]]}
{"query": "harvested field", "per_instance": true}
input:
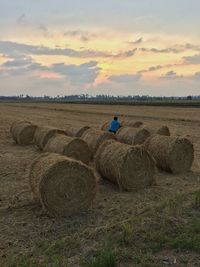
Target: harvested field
{"points": [[153, 227]]}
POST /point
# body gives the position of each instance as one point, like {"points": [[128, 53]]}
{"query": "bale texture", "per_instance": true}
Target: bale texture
{"points": [[130, 167], [132, 136], [64, 186], [163, 130], [23, 132], [94, 138], [105, 126], [76, 131], [43, 134], [172, 154], [136, 124], [71, 147], [17, 123]]}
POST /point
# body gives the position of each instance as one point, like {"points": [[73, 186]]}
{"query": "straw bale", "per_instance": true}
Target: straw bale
{"points": [[130, 167], [94, 138], [161, 130], [132, 136], [23, 132], [172, 154], [76, 131], [43, 134], [64, 186], [72, 147], [136, 124], [105, 126]]}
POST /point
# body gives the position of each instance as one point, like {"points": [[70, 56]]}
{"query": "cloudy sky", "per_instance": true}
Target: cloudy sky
{"points": [[118, 47]]}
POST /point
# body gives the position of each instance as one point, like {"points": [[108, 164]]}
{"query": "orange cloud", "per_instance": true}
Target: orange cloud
{"points": [[50, 75]]}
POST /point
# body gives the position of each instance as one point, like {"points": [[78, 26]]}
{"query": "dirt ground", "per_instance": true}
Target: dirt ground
{"points": [[23, 224]]}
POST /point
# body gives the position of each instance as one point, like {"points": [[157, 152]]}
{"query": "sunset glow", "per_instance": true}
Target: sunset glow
{"points": [[87, 55]]}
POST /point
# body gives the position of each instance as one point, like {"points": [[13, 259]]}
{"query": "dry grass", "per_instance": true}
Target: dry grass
{"points": [[149, 228]]}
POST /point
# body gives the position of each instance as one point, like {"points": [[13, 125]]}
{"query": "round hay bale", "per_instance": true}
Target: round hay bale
{"points": [[136, 124], [105, 126], [17, 123], [94, 138], [64, 186], [23, 132], [71, 147], [76, 131], [132, 136], [163, 130], [43, 134], [172, 154], [130, 167]]}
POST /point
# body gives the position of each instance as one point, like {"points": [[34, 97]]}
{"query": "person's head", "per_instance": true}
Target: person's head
{"points": [[115, 118]]}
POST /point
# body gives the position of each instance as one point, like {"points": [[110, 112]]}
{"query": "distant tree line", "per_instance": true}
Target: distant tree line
{"points": [[104, 99]]}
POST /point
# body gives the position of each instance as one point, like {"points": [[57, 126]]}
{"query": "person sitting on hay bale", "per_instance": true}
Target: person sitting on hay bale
{"points": [[114, 125]]}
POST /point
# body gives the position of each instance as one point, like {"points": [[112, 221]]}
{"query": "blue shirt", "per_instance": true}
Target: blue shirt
{"points": [[114, 126]]}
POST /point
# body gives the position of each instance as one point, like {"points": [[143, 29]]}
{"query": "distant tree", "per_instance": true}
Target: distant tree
{"points": [[189, 97]]}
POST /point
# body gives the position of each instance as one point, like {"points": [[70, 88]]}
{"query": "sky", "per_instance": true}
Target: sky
{"points": [[115, 47]]}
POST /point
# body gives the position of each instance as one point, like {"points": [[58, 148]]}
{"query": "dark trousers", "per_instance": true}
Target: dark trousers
{"points": [[112, 131]]}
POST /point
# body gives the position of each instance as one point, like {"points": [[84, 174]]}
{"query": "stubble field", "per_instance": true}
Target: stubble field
{"points": [[158, 226]]}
